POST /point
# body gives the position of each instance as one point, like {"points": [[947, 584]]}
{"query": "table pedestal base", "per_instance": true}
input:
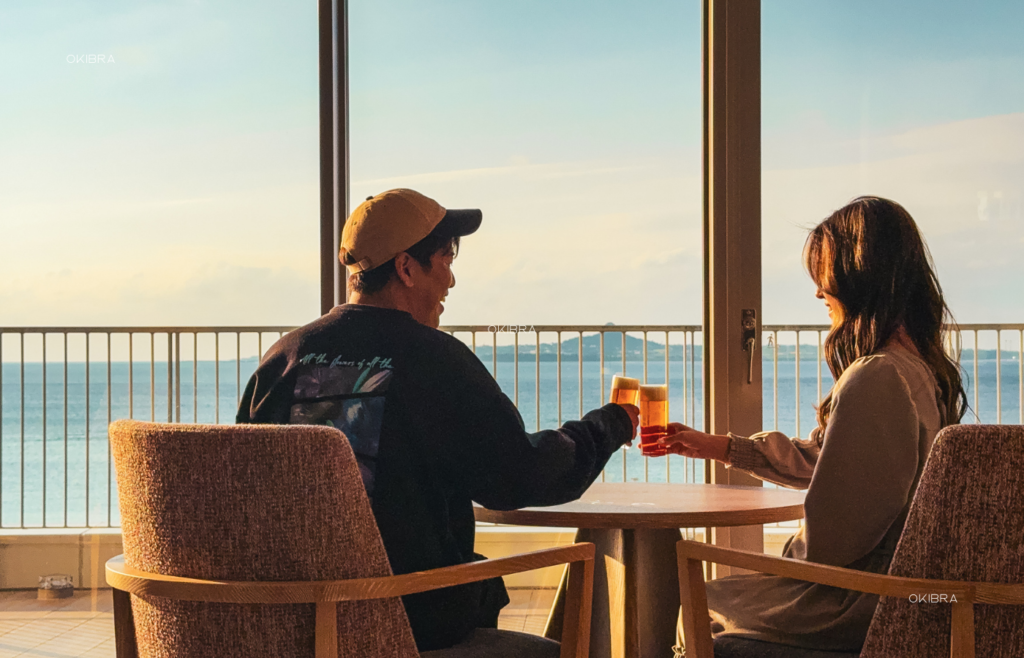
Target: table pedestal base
{"points": [[636, 593]]}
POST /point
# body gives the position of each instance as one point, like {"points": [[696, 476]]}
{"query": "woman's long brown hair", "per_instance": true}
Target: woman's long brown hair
{"points": [[870, 256]]}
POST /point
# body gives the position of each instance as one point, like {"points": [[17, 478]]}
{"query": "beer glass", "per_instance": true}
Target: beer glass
{"points": [[653, 419], [625, 390]]}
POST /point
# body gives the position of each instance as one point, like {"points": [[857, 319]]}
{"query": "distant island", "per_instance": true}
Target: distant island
{"points": [[655, 350]]}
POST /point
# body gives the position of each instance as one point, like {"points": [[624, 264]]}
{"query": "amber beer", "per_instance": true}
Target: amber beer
{"points": [[625, 390], [653, 419]]}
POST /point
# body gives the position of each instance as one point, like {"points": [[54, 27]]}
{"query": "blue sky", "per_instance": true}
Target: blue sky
{"points": [[920, 63], [179, 184]]}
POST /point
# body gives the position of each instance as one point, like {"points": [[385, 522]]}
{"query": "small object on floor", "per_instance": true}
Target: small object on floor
{"points": [[56, 586]]}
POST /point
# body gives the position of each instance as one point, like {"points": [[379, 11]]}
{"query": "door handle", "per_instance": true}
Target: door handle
{"points": [[748, 323]]}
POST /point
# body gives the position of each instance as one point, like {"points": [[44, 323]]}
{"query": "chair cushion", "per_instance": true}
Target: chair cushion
{"points": [[741, 647], [492, 643]]}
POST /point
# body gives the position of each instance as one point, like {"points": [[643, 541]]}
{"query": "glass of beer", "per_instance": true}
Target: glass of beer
{"points": [[653, 419], [625, 390]]}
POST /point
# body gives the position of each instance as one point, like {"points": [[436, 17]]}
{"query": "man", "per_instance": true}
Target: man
{"points": [[431, 430]]}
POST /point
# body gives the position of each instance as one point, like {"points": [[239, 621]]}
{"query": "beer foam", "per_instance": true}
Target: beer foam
{"points": [[653, 393], [627, 383]]}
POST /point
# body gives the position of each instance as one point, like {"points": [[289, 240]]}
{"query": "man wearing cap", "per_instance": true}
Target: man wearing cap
{"points": [[431, 430]]}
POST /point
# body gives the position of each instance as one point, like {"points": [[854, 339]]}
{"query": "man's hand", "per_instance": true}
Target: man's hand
{"points": [[686, 441], [634, 416]]}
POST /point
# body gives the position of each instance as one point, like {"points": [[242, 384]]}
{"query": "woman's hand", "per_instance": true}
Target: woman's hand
{"points": [[688, 442]]}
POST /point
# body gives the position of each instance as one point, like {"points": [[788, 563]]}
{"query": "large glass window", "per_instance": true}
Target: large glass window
{"points": [[158, 167], [576, 127], [920, 102], [158, 163]]}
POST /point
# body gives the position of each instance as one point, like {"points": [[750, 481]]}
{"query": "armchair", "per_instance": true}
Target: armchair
{"points": [[259, 541], [963, 540]]}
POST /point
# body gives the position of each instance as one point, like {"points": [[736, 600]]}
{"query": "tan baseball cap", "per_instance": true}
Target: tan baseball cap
{"points": [[385, 225]]}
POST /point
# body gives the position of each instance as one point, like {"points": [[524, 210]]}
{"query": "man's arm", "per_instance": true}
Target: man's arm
{"points": [[477, 437]]}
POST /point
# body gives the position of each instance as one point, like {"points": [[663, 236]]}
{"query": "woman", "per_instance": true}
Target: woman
{"points": [[895, 388]]}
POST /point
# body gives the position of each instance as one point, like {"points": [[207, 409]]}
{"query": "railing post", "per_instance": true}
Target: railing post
{"points": [[2, 425], [44, 425], [177, 376], [87, 414], [170, 377]]}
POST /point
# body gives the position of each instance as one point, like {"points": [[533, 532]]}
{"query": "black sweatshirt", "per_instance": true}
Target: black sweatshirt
{"points": [[432, 432]]}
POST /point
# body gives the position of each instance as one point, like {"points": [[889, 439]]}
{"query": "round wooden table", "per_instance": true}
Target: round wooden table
{"points": [[635, 528]]}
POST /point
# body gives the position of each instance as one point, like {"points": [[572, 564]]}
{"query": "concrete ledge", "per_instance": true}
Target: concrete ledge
{"points": [[499, 541], [82, 553], [27, 554]]}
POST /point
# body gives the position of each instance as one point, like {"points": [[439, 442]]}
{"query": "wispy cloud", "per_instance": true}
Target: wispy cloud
{"points": [[962, 183], [535, 171]]}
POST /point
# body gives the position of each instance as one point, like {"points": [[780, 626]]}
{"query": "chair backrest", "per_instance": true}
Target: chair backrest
{"points": [[250, 502], [966, 523]]}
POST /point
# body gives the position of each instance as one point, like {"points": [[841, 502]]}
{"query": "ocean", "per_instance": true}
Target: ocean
{"points": [[68, 478]]}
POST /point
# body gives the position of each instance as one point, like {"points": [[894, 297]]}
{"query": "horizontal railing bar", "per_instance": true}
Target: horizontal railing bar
{"points": [[960, 327], [795, 327], [554, 328], [143, 330], [481, 328], [990, 327]]}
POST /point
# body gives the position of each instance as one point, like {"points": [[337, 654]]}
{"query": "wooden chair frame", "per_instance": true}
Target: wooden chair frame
{"points": [[326, 593], [693, 592]]}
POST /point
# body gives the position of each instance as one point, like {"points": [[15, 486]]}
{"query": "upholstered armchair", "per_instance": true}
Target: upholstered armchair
{"points": [[964, 538], [259, 540]]}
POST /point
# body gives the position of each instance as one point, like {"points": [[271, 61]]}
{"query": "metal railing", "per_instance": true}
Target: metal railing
{"points": [[90, 376], [65, 384], [577, 365]]}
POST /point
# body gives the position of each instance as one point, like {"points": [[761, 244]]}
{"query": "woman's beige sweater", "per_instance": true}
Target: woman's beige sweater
{"points": [[860, 475]]}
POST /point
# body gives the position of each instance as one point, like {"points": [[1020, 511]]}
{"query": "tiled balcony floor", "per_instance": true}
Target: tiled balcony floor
{"points": [[80, 626], [83, 626]]}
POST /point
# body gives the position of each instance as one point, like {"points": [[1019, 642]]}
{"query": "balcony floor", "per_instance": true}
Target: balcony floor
{"points": [[79, 626], [83, 626]]}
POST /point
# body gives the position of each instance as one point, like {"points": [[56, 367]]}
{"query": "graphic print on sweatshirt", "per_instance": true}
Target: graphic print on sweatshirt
{"points": [[348, 395]]}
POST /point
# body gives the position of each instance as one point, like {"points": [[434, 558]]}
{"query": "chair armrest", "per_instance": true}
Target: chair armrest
{"points": [[961, 595], [134, 581], [326, 593], [860, 581]]}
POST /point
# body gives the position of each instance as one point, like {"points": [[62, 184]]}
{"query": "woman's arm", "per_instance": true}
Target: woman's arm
{"points": [[770, 456], [775, 457]]}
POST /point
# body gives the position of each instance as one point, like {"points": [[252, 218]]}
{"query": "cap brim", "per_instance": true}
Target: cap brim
{"points": [[460, 222]]}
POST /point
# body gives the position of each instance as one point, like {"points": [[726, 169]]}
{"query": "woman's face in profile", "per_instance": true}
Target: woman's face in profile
{"points": [[835, 308]]}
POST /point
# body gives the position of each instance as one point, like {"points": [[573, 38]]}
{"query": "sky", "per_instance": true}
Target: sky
{"points": [[177, 185]]}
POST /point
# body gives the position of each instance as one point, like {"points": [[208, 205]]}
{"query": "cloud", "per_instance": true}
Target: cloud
{"points": [[961, 181], [214, 294], [520, 168], [574, 242], [569, 242]]}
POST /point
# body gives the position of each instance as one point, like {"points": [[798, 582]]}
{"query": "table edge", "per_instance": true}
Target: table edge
{"points": [[637, 520]]}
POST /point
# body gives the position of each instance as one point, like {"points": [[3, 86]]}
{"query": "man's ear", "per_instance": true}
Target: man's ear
{"points": [[404, 264]]}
